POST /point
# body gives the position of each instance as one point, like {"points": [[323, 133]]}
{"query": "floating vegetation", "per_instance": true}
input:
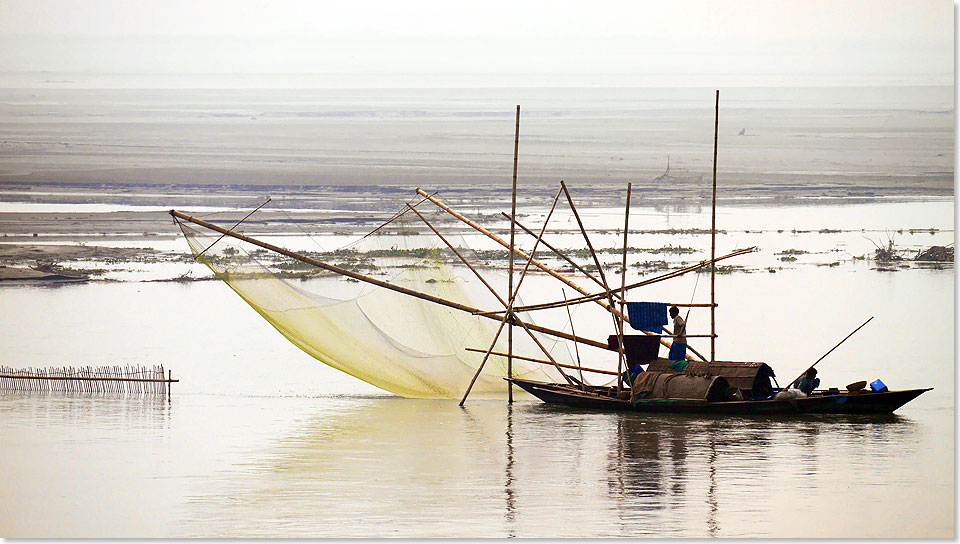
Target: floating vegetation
{"points": [[788, 258], [727, 269], [652, 266], [935, 254], [886, 254], [793, 252]]}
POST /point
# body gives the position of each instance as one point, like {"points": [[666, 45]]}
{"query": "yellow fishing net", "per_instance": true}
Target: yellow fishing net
{"points": [[408, 346]]}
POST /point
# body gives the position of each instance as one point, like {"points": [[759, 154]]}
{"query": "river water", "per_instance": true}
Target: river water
{"points": [[259, 439]]}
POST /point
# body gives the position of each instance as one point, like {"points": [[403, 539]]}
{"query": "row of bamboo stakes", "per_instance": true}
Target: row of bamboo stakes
{"points": [[89, 379]]}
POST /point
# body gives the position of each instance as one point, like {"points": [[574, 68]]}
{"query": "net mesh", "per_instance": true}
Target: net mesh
{"points": [[402, 344]]}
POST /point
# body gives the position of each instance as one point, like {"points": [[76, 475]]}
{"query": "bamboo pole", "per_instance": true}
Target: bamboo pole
{"points": [[509, 314], [617, 322], [374, 281], [543, 362], [513, 216], [505, 244], [559, 253], [587, 296], [664, 277], [460, 256], [507, 305], [713, 236], [623, 275], [484, 360]]}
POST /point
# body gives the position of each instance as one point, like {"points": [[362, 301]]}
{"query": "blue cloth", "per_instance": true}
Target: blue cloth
{"points": [[631, 374], [678, 352], [647, 316]]}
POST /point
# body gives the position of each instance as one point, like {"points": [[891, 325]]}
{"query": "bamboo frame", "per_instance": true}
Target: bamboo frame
{"points": [[587, 296], [374, 281], [570, 302], [542, 362], [617, 322], [510, 316], [670, 275], [507, 305], [457, 253], [503, 243], [559, 253]]}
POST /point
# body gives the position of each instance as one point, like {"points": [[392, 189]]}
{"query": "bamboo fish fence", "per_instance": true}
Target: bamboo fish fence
{"points": [[89, 379]]}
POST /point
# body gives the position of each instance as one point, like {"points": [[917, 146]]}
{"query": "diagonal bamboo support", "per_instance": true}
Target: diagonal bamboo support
{"points": [[560, 254], [617, 322], [494, 292], [542, 362], [506, 245], [588, 297], [512, 318], [664, 277]]}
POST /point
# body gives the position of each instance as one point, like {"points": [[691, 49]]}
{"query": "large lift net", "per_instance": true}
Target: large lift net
{"points": [[404, 345]]}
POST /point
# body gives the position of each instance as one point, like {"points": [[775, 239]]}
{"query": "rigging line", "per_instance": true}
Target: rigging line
{"points": [[396, 216], [693, 294], [345, 246], [305, 233], [573, 332], [233, 227]]}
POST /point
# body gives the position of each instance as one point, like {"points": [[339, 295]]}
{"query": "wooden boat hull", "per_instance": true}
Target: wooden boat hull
{"points": [[864, 403]]}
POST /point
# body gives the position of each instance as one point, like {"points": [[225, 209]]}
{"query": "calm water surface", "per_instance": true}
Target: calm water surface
{"points": [[259, 439]]}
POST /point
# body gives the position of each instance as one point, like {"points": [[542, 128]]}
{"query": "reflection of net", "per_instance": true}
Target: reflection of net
{"points": [[399, 343]]}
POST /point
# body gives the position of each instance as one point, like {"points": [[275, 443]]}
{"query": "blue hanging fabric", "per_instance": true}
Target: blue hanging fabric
{"points": [[647, 316]]}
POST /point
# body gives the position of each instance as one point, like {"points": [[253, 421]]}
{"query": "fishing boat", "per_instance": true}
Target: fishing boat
{"points": [[819, 402], [424, 349]]}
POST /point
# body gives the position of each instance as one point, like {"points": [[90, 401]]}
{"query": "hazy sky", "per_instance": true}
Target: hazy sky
{"points": [[792, 38]]}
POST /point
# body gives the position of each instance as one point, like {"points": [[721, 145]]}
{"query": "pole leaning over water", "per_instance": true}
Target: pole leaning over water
{"points": [[713, 237], [829, 352]]}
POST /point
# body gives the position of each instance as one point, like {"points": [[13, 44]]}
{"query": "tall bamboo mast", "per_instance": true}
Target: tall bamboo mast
{"points": [[713, 238], [513, 217], [623, 277]]}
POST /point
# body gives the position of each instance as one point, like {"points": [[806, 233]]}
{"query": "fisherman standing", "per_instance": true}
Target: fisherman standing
{"points": [[678, 350]]}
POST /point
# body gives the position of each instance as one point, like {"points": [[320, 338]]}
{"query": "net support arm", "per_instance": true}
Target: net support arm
{"points": [[374, 281]]}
